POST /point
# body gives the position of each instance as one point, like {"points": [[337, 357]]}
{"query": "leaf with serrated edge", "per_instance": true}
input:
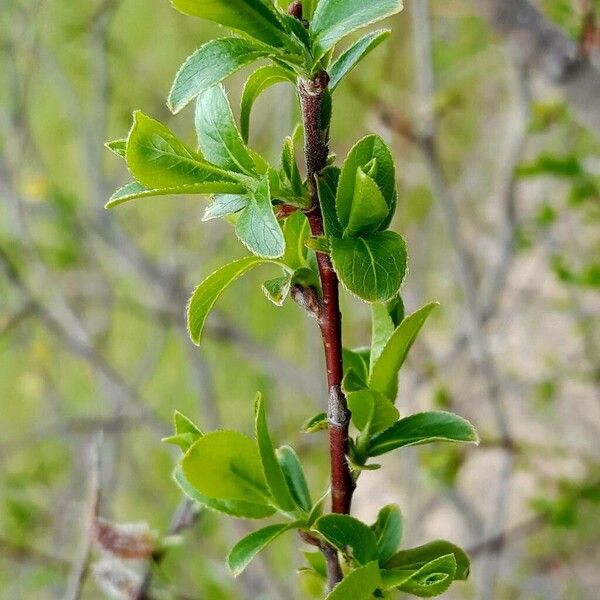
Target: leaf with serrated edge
{"points": [[372, 267], [118, 147], [371, 411], [224, 205], [209, 65], [415, 558], [262, 79], [384, 371], [135, 190], [432, 579], [271, 467], [335, 19], [351, 57], [277, 289], [226, 465], [358, 584], [369, 151], [256, 18], [294, 475], [247, 548], [218, 135], [369, 208], [345, 532], [234, 508], [423, 428], [158, 159], [257, 227], [388, 530], [208, 292]]}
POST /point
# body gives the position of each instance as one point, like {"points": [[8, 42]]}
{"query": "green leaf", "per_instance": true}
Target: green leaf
{"points": [[135, 190], [357, 360], [247, 548], [157, 159], [277, 289], [351, 57], [423, 428], [372, 267], [218, 135], [358, 584], [262, 79], [234, 508], [256, 18], [118, 147], [316, 560], [226, 465], [295, 478], [371, 411], [382, 328], [225, 205], [385, 368], [335, 19], [271, 467], [296, 232], [349, 535], [368, 209], [327, 183], [372, 155], [209, 65], [432, 579], [208, 292], [290, 167], [186, 433], [388, 531], [257, 227], [319, 422], [415, 558]]}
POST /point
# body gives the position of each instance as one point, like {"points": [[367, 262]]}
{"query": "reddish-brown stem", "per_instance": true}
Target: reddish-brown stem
{"points": [[330, 319]]}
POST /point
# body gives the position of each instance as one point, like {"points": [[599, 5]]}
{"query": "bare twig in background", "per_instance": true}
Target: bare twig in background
{"points": [[81, 563]]}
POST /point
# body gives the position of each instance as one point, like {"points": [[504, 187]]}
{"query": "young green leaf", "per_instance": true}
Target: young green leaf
{"points": [[262, 79], [382, 328], [358, 584], [186, 433], [118, 147], [327, 183], [157, 159], [226, 465], [357, 360], [234, 508], [415, 558], [423, 428], [135, 190], [319, 422], [371, 411], [218, 135], [388, 531], [224, 205], [257, 227], [351, 57], [349, 535], [208, 292], [372, 267], [316, 560], [271, 467], [368, 209], [277, 289], [247, 548], [209, 65], [296, 232], [294, 475], [432, 579], [258, 19], [373, 157], [335, 19], [385, 368], [290, 167]]}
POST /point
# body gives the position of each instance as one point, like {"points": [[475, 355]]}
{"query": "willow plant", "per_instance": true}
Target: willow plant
{"points": [[314, 229]]}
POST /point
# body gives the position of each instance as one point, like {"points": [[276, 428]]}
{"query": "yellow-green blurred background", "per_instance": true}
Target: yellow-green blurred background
{"points": [[502, 227]]}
